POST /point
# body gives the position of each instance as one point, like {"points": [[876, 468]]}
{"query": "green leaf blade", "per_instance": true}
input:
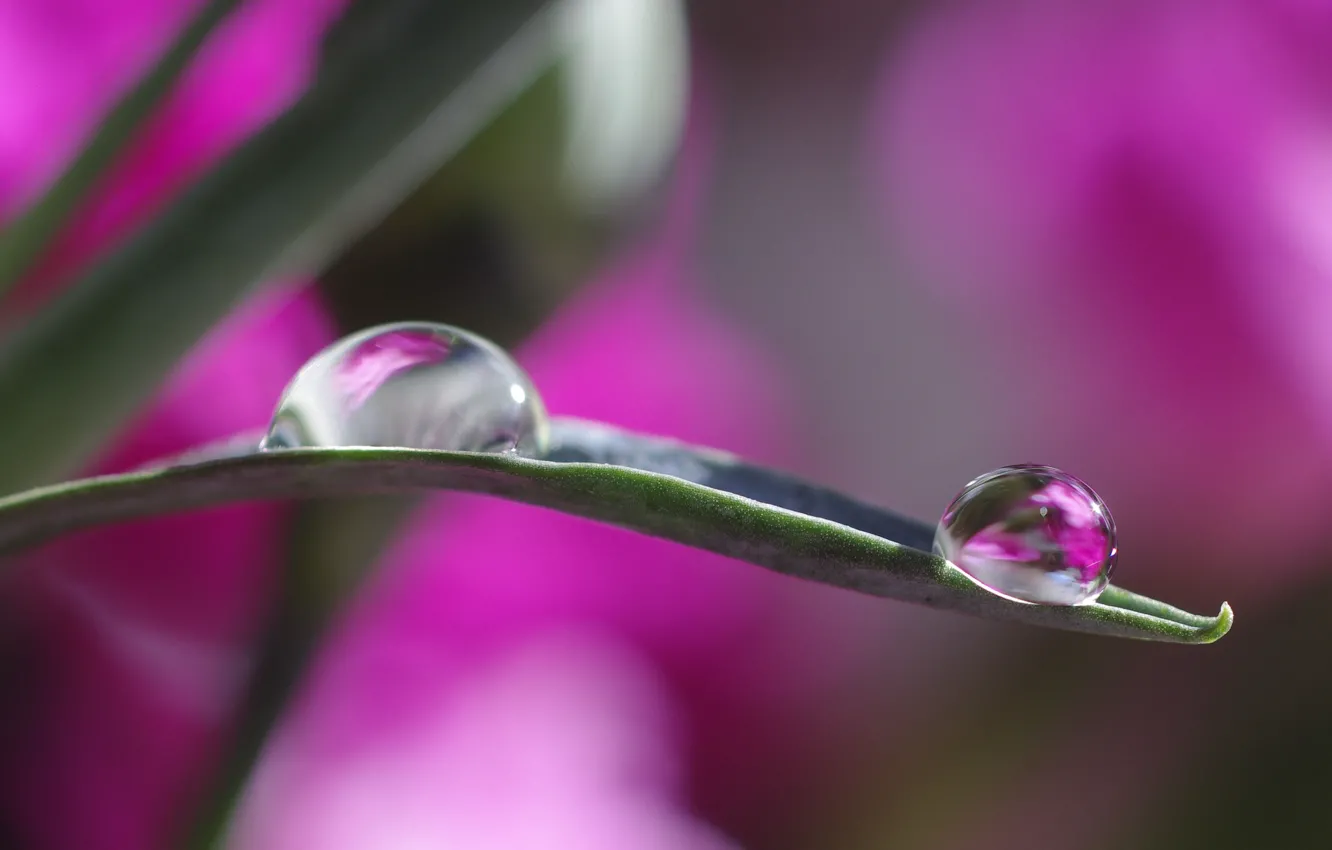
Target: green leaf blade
{"points": [[648, 502]]}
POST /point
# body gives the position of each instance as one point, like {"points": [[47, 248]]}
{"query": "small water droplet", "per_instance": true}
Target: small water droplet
{"points": [[412, 385], [1032, 534]]}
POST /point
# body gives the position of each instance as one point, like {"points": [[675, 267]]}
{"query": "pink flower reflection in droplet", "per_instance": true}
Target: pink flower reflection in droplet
{"points": [[1049, 540], [379, 359]]}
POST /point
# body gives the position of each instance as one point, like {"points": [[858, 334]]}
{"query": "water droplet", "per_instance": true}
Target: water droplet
{"points": [[412, 385], [1032, 534]]}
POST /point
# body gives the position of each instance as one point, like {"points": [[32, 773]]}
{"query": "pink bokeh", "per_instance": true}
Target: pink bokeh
{"points": [[742, 658], [1121, 200], [137, 631], [514, 669], [125, 644]]}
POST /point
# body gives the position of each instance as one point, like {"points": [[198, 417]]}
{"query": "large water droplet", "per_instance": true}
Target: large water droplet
{"points": [[412, 385], [1032, 534]]}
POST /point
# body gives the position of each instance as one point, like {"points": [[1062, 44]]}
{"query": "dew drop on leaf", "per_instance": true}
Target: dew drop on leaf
{"points": [[1032, 534], [411, 385]]}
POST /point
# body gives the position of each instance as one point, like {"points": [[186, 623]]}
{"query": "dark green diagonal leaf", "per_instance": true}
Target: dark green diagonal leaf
{"points": [[24, 239], [649, 502], [378, 120]]}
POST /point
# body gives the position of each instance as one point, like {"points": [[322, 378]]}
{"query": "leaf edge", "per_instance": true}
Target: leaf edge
{"points": [[652, 503]]}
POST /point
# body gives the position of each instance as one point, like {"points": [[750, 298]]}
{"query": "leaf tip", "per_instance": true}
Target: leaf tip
{"points": [[1224, 619]]}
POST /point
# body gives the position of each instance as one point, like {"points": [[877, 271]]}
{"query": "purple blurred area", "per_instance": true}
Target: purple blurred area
{"points": [[897, 245]]}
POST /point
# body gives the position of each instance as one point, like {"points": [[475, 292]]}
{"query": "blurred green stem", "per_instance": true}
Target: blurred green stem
{"points": [[25, 238], [334, 543], [283, 654]]}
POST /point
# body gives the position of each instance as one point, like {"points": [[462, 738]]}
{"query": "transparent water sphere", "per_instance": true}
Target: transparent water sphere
{"points": [[411, 385], [1031, 534]]}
